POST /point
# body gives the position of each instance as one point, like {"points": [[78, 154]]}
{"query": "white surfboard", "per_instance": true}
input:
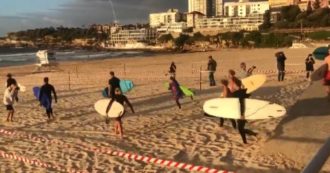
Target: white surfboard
{"points": [[116, 109], [22, 88], [254, 110], [254, 82]]}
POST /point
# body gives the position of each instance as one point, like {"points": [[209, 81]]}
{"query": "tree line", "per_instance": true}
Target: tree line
{"points": [[293, 17], [58, 34]]}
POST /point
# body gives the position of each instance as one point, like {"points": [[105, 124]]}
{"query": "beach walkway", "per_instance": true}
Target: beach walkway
{"points": [[306, 128]]}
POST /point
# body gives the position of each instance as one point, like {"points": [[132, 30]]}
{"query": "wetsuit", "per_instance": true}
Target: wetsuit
{"points": [[114, 82], [240, 93], [122, 99], [46, 90], [11, 81]]}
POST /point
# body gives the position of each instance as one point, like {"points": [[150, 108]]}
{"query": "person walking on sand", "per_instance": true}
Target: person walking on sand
{"points": [[244, 72], [10, 81], [280, 58], [327, 75], [211, 67], [309, 62], [122, 99], [174, 86], [172, 70], [114, 82], [226, 94], [237, 89], [8, 100], [45, 97]]}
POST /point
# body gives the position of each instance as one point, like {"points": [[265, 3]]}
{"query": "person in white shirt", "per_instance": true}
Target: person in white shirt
{"points": [[8, 100]]}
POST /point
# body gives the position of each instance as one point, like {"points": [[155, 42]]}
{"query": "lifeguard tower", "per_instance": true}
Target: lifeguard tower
{"points": [[46, 61]]}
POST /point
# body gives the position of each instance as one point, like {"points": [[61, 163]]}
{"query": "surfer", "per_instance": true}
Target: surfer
{"points": [[122, 99], [211, 67], [327, 75], [237, 89], [45, 97], [114, 82], [309, 62], [172, 70], [243, 73], [10, 81], [226, 94], [8, 100], [176, 91], [280, 58]]}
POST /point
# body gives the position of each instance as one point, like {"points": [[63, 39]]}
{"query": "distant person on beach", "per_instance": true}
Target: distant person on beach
{"points": [[280, 58], [211, 67], [327, 75], [226, 94], [122, 99], [172, 70], [237, 89], [46, 91], [309, 62], [176, 91], [244, 72], [10, 81], [8, 100], [114, 82]]}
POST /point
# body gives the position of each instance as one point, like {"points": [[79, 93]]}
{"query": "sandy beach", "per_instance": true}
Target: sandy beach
{"points": [[158, 128]]}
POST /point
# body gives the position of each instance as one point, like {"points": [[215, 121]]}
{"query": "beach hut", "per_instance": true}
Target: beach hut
{"points": [[46, 61]]}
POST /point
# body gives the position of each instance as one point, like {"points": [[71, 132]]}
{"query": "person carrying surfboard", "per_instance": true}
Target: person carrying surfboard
{"points": [[211, 67], [8, 100], [237, 89], [226, 94], [327, 75], [114, 82], [45, 97], [243, 73], [176, 91], [122, 99], [280, 58], [309, 62]]}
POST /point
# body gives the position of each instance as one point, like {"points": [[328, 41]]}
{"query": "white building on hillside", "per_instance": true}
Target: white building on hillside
{"points": [[165, 18], [177, 27], [226, 24], [123, 36], [244, 8]]}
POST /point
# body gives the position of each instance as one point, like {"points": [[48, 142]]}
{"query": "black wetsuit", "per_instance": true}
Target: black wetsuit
{"points": [[114, 82], [11, 81], [122, 99], [47, 90]]}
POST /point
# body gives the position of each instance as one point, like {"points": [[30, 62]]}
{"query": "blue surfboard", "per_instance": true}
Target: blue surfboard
{"points": [[45, 102], [125, 86]]}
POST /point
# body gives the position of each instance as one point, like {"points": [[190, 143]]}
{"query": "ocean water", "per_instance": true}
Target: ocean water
{"points": [[14, 59]]}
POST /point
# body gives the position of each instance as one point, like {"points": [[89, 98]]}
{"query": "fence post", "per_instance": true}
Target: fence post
{"points": [[69, 81], [77, 70], [200, 78]]}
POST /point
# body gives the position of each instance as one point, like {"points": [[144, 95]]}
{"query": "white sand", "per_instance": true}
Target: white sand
{"points": [[158, 128]]}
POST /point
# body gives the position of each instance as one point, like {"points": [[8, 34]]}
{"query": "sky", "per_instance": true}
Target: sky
{"points": [[16, 15]]}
